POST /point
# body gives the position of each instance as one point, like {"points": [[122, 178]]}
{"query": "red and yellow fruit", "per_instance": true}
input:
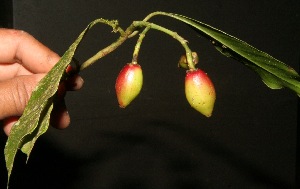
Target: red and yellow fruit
{"points": [[200, 91], [129, 83]]}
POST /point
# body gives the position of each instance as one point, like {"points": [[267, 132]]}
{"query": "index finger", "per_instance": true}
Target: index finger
{"points": [[19, 46]]}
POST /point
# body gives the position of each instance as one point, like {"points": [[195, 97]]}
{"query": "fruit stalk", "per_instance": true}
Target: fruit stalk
{"points": [[129, 32], [138, 45], [173, 34]]}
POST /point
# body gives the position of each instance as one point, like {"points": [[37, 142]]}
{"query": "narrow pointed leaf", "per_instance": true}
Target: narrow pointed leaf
{"points": [[274, 73]]}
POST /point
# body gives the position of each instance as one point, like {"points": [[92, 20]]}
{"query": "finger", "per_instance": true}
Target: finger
{"points": [[8, 124], [60, 118], [15, 94], [19, 46], [8, 71], [74, 83]]}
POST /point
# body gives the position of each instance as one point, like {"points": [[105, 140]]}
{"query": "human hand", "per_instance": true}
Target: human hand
{"points": [[24, 61]]}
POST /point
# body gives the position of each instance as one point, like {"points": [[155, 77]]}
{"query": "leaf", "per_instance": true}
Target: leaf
{"points": [[30, 139], [274, 73], [35, 119]]}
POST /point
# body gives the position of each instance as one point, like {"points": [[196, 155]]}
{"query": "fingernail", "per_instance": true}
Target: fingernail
{"points": [[78, 83]]}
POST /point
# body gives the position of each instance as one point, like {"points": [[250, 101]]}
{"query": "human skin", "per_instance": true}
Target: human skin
{"points": [[24, 61]]}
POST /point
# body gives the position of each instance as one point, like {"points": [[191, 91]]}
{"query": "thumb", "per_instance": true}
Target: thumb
{"points": [[15, 94]]}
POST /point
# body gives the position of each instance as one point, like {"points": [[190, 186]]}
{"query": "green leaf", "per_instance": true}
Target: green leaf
{"points": [[30, 139], [35, 119], [274, 73]]}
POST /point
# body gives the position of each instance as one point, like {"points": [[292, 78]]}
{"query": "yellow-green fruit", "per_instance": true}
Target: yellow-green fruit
{"points": [[200, 91], [128, 84]]}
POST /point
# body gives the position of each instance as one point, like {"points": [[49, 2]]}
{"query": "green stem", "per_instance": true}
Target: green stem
{"points": [[172, 34], [154, 14], [102, 53], [148, 17], [138, 45], [130, 32], [158, 13], [111, 47], [146, 20]]}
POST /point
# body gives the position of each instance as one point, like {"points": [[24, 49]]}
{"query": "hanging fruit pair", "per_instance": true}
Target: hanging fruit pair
{"points": [[199, 89]]}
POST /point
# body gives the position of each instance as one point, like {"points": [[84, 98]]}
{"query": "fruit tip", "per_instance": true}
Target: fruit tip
{"points": [[208, 115], [121, 106]]}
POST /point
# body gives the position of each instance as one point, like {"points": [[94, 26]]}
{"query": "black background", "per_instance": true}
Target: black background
{"points": [[159, 141]]}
